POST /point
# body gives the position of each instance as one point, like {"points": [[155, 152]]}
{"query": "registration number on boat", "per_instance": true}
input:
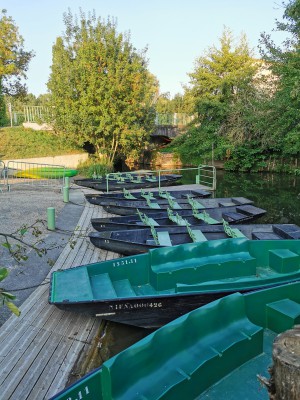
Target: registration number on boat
{"points": [[124, 262]]}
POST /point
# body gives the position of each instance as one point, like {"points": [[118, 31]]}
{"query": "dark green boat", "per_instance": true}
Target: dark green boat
{"points": [[152, 289], [214, 352]]}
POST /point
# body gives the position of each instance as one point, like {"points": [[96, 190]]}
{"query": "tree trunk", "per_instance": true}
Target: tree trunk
{"points": [[285, 372]]}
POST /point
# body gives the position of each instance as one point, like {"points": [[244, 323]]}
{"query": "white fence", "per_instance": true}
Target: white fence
{"points": [[2, 175], [32, 174]]}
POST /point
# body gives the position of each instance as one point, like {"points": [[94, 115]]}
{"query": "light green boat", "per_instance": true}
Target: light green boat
{"points": [[214, 353], [46, 173]]}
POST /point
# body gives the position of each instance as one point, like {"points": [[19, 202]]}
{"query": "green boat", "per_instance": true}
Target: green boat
{"points": [[214, 353], [45, 173], [152, 289]]}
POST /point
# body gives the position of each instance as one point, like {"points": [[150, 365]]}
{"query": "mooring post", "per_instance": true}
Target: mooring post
{"points": [[66, 194], [51, 218], [67, 181]]}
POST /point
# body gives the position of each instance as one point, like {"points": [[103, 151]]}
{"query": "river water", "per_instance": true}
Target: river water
{"points": [[278, 194]]}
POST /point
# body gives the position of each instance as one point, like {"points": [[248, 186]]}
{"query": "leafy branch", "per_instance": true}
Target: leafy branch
{"points": [[19, 247]]}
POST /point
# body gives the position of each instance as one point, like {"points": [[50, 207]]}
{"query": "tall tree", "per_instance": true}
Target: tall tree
{"points": [[101, 88], [220, 79], [282, 119], [14, 60]]}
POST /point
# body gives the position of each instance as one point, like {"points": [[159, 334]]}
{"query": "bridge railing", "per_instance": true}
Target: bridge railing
{"points": [[173, 119]]}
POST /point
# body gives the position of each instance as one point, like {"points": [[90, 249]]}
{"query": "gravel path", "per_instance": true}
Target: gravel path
{"points": [[25, 207], [21, 207]]}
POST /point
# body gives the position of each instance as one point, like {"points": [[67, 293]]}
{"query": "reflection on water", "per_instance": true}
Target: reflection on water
{"points": [[118, 337], [278, 194]]}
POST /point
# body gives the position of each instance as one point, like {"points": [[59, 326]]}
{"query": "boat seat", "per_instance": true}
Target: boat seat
{"points": [[234, 216], [151, 179], [123, 288], [102, 284], [265, 236], [173, 204], [151, 221], [226, 204], [165, 195], [205, 217], [153, 205], [284, 260], [237, 233], [196, 235], [176, 218], [179, 273], [288, 231], [128, 195], [194, 355], [282, 315], [195, 204], [164, 238]]}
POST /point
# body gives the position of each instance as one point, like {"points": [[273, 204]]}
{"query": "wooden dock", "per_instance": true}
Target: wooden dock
{"points": [[39, 349]]}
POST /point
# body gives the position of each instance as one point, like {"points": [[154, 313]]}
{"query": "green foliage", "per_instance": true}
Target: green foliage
{"points": [[3, 117], [19, 142], [220, 76], [178, 104], [6, 297], [282, 117], [14, 59], [101, 88], [94, 168], [220, 84]]}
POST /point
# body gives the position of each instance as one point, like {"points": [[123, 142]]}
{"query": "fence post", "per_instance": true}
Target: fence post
{"points": [[51, 218], [66, 194]]}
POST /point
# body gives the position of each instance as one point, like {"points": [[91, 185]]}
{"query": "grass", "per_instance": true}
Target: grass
{"points": [[18, 142]]}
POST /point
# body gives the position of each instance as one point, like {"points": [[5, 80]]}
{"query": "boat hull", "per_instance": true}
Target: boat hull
{"points": [[233, 215], [213, 352], [126, 207], [152, 312], [46, 173], [99, 199], [138, 241]]}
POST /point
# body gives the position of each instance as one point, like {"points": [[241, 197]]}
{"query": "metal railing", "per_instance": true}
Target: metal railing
{"points": [[204, 175], [2, 175], [173, 119], [34, 174]]}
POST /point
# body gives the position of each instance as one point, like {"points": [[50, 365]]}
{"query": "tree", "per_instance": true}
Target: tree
{"points": [[282, 118], [14, 60], [101, 89], [221, 78]]}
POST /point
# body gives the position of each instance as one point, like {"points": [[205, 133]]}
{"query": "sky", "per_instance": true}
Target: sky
{"points": [[176, 32]]}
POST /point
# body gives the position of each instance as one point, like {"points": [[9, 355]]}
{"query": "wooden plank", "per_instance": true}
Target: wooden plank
{"points": [[39, 349], [41, 361]]}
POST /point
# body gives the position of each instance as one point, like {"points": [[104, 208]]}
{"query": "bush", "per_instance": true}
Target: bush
{"points": [[94, 167]]}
